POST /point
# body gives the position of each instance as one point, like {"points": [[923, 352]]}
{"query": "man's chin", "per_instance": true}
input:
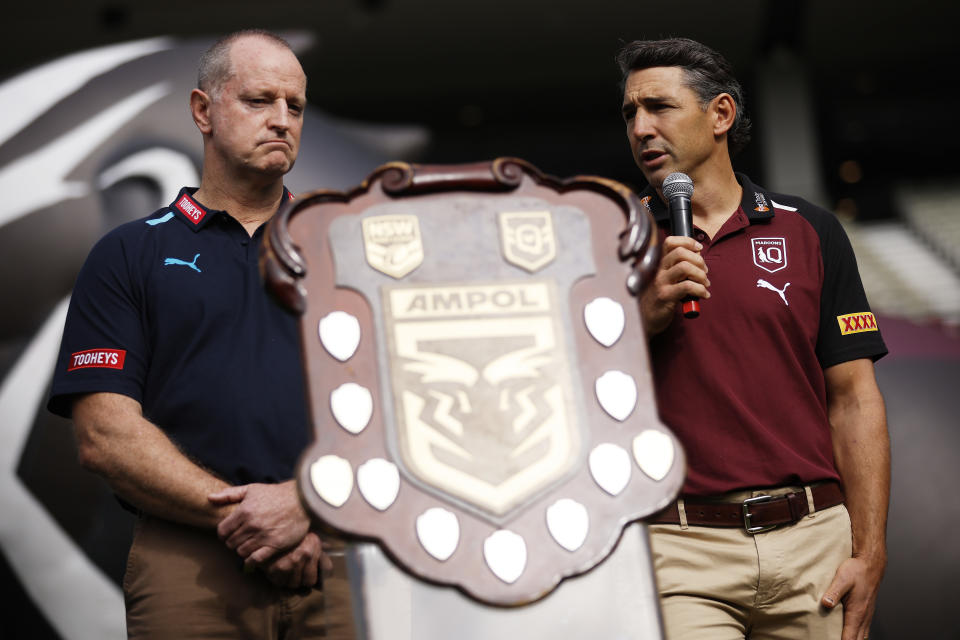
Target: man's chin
{"points": [[656, 176], [274, 168]]}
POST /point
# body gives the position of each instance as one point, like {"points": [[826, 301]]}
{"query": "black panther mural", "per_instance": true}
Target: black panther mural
{"points": [[89, 141]]}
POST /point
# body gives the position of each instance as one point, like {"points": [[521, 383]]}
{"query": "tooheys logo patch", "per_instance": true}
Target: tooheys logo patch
{"points": [[97, 358], [190, 209], [857, 323]]}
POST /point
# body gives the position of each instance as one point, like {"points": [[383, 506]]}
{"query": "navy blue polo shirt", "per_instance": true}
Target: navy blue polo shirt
{"points": [[742, 386], [171, 311]]}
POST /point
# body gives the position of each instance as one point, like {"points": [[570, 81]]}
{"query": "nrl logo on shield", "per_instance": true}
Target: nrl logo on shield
{"points": [[770, 254], [527, 239], [393, 244]]}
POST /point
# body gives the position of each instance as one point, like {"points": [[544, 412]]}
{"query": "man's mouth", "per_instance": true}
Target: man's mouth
{"points": [[651, 155]]}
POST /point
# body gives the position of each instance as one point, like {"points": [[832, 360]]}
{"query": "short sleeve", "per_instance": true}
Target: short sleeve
{"points": [[848, 328], [103, 346]]}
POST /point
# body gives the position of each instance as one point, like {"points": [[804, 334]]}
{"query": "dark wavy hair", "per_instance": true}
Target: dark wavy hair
{"points": [[215, 66], [706, 73]]}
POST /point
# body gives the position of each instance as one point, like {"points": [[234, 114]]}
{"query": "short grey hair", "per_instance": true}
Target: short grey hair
{"points": [[215, 66]]}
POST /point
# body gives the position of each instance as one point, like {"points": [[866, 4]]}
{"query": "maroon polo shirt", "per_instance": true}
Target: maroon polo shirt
{"points": [[742, 386]]}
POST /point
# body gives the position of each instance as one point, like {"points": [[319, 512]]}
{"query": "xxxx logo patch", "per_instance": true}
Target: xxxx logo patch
{"points": [[857, 323]]}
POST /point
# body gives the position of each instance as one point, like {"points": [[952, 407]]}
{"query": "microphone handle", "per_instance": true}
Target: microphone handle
{"points": [[681, 218]]}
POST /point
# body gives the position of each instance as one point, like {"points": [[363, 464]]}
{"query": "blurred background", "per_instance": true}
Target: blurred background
{"points": [[853, 109]]}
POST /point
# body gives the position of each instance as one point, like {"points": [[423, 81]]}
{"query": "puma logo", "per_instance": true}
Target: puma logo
{"points": [[193, 265], [763, 284]]}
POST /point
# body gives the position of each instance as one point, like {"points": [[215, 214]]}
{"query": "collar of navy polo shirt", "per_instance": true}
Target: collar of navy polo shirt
{"points": [[195, 215], [755, 203]]}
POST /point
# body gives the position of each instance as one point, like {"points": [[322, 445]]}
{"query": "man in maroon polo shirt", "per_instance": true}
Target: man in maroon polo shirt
{"points": [[771, 390]]}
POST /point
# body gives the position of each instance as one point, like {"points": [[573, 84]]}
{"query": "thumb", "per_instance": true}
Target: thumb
{"points": [[229, 495], [838, 588]]}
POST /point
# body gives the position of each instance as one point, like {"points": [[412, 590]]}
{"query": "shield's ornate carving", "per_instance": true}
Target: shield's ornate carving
{"points": [[492, 449]]}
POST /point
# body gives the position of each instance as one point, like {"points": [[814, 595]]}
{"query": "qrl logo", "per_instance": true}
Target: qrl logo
{"points": [[527, 239], [770, 254], [97, 358], [857, 323]]}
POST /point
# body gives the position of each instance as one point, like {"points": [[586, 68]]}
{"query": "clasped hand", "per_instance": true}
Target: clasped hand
{"points": [[269, 529]]}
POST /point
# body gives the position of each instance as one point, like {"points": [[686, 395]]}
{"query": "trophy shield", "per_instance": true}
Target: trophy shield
{"points": [[480, 393]]}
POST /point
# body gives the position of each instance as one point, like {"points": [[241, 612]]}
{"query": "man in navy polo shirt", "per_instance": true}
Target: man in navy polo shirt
{"points": [[184, 382], [771, 390]]}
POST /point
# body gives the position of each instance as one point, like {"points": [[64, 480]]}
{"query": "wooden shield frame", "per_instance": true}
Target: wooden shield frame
{"points": [[345, 259]]}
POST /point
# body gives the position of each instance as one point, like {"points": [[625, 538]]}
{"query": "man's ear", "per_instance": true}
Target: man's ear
{"points": [[200, 103], [724, 112]]}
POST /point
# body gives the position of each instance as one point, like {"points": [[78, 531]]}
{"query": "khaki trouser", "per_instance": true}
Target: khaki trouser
{"points": [[723, 583], [183, 583]]}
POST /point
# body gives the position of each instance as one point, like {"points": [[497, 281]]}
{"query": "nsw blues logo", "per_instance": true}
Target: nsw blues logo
{"points": [[770, 254]]}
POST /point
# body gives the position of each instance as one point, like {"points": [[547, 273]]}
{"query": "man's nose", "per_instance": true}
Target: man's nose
{"points": [[279, 116], [642, 127]]}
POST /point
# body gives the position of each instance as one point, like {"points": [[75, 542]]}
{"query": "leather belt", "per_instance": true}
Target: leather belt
{"points": [[754, 515]]}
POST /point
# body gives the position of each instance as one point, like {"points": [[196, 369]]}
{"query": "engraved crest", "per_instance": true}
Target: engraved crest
{"points": [[482, 392], [393, 244], [527, 239]]}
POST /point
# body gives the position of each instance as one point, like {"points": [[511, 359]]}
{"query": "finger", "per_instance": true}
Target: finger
{"points": [[228, 528], [295, 575], [249, 566], [687, 269], [310, 573], [278, 572], [836, 591], [261, 555], [236, 534], [230, 495], [326, 564], [250, 546], [855, 625], [672, 242], [852, 631], [683, 256], [688, 288]]}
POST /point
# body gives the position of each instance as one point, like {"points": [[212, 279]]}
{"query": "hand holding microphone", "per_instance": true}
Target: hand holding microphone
{"points": [[677, 188]]}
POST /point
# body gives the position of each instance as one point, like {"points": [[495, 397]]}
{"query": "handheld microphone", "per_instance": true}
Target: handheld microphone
{"points": [[677, 189]]}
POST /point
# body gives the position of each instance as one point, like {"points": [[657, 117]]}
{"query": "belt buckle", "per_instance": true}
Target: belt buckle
{"points": [[747, 516]]}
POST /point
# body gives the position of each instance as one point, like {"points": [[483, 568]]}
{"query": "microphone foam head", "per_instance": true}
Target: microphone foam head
{"points": [[677, 184]]}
